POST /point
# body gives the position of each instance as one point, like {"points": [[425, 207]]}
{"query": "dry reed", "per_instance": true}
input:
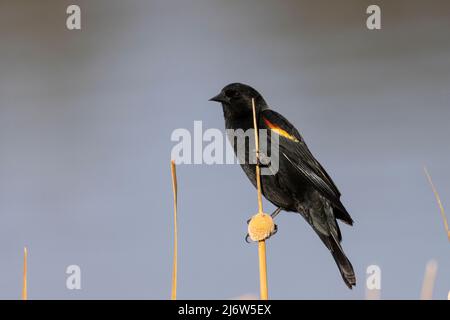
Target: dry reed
{"points": [[373, 294], [175, 234], [429, 280], [264, 295], [24, 283], [439, 202]]}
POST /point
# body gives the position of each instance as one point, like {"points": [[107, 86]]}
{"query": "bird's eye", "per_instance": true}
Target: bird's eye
{"points": [[230, 93]]}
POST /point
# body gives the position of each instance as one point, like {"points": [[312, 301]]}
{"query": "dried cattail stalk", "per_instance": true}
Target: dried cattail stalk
{"points": [[24, 283], [261, 225], [175, 234]]}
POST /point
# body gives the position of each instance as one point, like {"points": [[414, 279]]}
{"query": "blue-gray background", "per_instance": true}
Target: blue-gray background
{"points": [[85, 124]]}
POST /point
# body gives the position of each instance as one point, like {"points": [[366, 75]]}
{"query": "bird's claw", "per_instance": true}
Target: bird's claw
{"points": [[275, 230], [247, 237]]}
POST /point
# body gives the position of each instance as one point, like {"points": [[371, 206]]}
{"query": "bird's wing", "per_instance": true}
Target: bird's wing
{"points": [[295, 150]]}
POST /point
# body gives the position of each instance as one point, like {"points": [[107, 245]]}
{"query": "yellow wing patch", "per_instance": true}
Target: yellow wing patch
{"points": [[273, 127]]}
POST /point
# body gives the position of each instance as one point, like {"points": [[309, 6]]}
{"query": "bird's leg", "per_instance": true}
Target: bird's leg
{"points": [[273, 215], [276, 212]]}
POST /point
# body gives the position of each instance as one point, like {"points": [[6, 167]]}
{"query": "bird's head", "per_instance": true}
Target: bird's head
{"points": [[236, 100]]}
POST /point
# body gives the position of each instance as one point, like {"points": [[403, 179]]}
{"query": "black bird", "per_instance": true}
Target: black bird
{"points": [[301, 184]]}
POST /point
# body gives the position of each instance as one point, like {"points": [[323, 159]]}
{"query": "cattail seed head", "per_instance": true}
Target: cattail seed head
{"points": [[260, 227]]}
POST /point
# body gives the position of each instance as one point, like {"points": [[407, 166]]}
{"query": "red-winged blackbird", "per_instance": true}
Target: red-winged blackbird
{"points": [[301, 184]]}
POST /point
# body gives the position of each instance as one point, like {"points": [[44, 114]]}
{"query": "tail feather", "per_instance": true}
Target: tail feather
{"points": [[320, 215], [344, 265]]}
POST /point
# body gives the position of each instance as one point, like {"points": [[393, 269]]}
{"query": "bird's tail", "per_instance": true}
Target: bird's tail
{"points": [[344, 265]]}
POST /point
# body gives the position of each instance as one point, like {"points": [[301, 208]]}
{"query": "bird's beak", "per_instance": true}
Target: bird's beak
{"points": [[219, 98]]}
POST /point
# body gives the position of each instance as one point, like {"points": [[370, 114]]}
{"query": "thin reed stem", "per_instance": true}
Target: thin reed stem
{"points": [[264, 295], [258, 170], [439, 202], [175, 234], [24, 283], [429, 280]]}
